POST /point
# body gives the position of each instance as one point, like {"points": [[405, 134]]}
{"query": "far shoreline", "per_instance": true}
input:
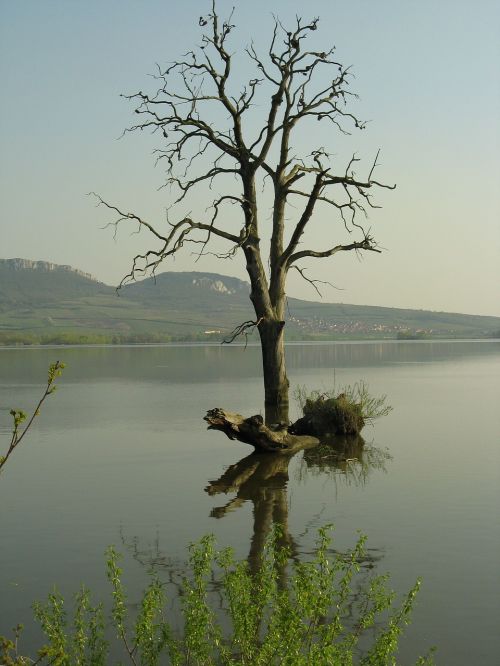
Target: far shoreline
{"points": [[291, 343]]}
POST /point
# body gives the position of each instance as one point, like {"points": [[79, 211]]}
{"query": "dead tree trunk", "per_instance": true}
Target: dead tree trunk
{"points": [[276, 382], [269, 304]]}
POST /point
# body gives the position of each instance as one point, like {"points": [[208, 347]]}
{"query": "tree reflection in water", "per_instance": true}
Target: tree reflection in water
{"points": [[263, 480]]}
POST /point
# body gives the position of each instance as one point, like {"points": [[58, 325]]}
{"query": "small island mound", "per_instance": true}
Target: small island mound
{"points": [[325, 415]]}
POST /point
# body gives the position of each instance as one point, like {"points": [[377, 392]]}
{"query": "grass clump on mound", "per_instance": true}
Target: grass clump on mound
{"points": [[342, 413]]}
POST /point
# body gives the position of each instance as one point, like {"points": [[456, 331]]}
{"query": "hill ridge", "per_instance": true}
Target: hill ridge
{"points": [[44, 301], [19, 264]]}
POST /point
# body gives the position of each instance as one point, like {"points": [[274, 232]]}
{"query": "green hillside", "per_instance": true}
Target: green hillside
{"points": [[373, 321], [46, 303]]}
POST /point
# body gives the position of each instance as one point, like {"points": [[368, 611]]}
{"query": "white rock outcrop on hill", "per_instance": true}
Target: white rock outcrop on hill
{"points": [[213, 285], [19, 264]]}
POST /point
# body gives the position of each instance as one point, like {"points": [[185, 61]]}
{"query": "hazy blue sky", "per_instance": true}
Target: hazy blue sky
{"points": [[427, 72]]}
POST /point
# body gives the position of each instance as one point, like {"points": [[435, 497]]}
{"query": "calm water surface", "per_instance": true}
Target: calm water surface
{"points": [[121, 456]]}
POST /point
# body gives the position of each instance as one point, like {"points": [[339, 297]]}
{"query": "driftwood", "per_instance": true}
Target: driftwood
{"points": [[252, 431]]}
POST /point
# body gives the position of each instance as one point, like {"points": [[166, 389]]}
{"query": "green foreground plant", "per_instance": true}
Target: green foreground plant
{"points": [[19, 416], [318, 617], [340, 412]]}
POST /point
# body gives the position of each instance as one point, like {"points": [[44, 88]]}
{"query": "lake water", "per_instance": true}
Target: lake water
{"points": [[120, 455]]}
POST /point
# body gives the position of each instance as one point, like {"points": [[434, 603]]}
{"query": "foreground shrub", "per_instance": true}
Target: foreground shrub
{"points": [[342, 413], [317, 617]]}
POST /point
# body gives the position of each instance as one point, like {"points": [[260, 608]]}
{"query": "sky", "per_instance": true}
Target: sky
{"points": [[427, 74]]}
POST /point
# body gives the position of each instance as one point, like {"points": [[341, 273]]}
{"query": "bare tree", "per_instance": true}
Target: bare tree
{"points": [[210, 138]]}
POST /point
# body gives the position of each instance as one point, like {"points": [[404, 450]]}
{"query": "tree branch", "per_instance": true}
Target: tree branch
{"points": [[313, 282], [367, 243], [170, 244], [242, 329]]}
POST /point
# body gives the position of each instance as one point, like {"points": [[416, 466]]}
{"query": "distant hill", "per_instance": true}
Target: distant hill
{"points": [[192, 289], [48, 303], [23, 281]]}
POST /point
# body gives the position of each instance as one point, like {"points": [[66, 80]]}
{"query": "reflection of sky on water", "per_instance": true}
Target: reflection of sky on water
{"points": [[123, 443], [202, 363]]}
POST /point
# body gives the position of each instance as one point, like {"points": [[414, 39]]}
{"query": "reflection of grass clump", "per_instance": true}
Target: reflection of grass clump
{"points": [[344, 458], [344, 413]]}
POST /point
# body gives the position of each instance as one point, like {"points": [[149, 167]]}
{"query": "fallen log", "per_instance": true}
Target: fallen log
{"points": [[252, 431]]}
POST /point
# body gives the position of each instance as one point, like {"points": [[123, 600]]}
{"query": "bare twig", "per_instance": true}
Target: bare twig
{"points": [[313, 282]]}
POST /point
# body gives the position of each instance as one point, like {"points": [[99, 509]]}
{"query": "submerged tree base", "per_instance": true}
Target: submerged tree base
{"points": [[252, 431]]}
